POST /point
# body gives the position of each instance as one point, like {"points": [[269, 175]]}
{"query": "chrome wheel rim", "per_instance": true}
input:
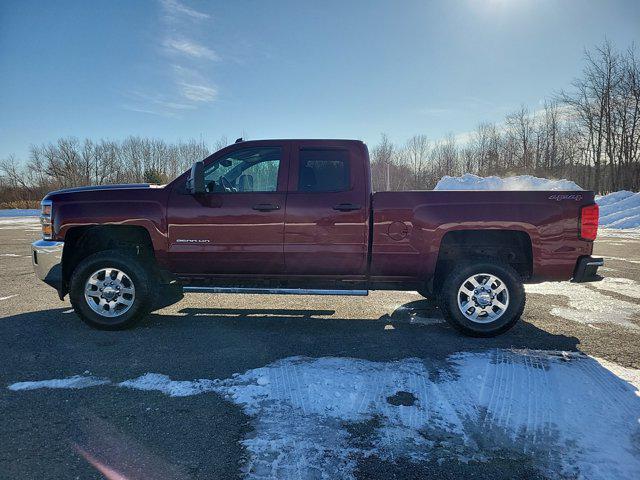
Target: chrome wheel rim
{"points": [[483, 298], [109, 292]]}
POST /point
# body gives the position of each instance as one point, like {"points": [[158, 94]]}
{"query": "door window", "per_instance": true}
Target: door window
{"points": [[323, 170], [246, 170]]}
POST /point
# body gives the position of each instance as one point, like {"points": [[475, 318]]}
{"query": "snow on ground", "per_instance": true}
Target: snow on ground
{"points": [[629, 233], [77, 381], [162, 383], [573, 415], [17, 212], [469, 181], [18, 223], [588, 306], [620, 210], [18, 220]]}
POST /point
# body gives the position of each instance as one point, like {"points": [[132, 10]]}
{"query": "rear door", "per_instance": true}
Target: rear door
{"points": [[326, 214], [237, 227]]}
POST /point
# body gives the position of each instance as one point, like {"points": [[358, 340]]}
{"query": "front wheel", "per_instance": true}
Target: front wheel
{"points": [[482, 298], [427, 294], [111, 291]]}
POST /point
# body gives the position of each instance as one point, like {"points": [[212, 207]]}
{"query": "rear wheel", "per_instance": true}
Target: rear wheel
{"points": [[111, 291], [482, 298]]}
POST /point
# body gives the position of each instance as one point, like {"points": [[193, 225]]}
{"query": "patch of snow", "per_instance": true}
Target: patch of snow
{"points": [[527, 402], [572, 415], [9, 255], [588, 306], [8, 297], [620, 210], [620, 259], [469, 181], [622, 286], [629, 375], [18, 221], [426, 320], [75, 382], [631, 233], [17, 212], [163, 384]]}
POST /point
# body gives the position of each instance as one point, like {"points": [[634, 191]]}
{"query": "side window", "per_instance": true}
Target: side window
{"points": [[246, 170], [323, 170]]}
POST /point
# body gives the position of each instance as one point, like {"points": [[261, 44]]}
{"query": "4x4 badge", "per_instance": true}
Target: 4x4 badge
{"points": [[577, 197]]}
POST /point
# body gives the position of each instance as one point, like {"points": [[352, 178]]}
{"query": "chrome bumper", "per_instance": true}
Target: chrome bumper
{"points": [[47, 257]]}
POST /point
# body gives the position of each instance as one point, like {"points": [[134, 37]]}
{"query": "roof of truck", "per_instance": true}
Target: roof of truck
{"points": [[305, 140]]}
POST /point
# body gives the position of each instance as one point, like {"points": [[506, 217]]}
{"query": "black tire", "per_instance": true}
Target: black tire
{"points": [[448, 298], [142, 281], [428, 295]]}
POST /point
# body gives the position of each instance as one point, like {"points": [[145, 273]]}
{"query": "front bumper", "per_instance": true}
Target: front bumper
{"points": [[46, 256], [587, 269]]}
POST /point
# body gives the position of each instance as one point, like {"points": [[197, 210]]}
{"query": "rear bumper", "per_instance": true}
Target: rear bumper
{"points": [[47, 262], [587, 268]]}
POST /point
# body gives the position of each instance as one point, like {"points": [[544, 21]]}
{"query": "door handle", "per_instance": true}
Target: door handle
{"points": [[266, 207], [347, 207]]}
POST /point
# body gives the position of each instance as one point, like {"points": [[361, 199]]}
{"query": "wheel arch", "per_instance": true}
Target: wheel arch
{"points": [[512, 247], [82, 241]]}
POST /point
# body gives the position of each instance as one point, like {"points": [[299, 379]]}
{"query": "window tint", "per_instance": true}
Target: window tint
{"points": [[246, 170], [323, 170]]}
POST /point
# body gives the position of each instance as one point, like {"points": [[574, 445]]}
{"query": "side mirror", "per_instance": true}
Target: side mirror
{"points": [[195, 184]]}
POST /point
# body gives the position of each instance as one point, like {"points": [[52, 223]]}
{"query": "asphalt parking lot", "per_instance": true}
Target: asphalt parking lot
{"points": [[219, 428]]}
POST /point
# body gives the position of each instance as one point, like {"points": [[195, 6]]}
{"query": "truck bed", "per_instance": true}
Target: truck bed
{"points": [[409, 227]]}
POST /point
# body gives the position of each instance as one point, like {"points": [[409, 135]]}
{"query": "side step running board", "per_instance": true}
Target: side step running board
{"points": [[275, 291]]}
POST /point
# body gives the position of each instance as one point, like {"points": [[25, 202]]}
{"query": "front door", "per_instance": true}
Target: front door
{"points": [[237, 226]]}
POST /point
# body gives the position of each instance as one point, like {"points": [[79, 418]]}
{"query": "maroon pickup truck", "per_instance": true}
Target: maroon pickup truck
{"points": [[299, 217]]}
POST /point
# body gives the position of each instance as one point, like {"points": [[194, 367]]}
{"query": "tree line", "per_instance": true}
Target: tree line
{"points": [[588, 132]]}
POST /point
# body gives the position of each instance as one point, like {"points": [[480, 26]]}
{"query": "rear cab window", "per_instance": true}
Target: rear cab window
{"points": [[323, 170]]}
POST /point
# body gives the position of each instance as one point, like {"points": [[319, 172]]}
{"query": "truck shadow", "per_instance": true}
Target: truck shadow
{"points": [[251, 337]]}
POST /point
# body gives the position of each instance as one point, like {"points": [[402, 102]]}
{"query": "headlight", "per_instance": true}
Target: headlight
{"points": [[45, 220]]}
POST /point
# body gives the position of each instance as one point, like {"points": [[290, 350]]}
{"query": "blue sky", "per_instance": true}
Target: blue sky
{"points": [[176, 69]]}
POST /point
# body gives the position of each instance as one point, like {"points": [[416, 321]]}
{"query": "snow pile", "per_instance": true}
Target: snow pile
{"points": [[523, 182], [569, 415], [620, 209]]}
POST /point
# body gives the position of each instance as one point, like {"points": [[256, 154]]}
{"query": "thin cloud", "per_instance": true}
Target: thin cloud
{"points": [[161, 101], [435, 112], [173, 8], [155, 104], [198, 93], [189, 48], [160, 113], [193, 86], [189, 62]]}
